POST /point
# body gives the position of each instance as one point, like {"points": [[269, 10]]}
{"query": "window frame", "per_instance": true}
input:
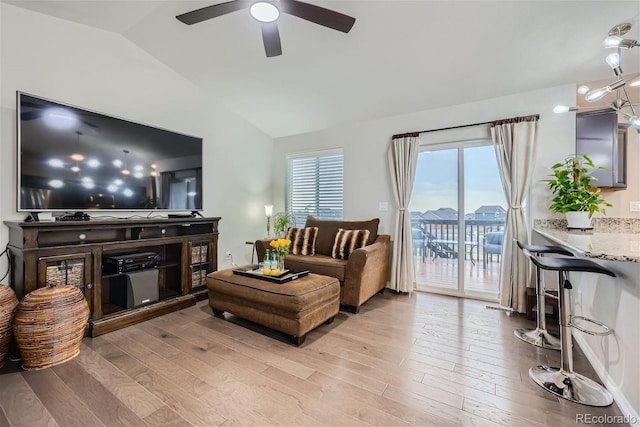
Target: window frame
{"points": [[319, 205]]}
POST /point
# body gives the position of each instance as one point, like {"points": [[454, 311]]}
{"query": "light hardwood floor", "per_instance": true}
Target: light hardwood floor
{"points": [[403, 360]]}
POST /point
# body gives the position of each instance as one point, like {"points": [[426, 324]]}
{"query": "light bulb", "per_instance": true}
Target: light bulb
{"points": [[583, 89], [613, 59], [125, 171], [559, 109], [596, 94], [77, 157], [264, 11], [635, 122], [612, 41]]}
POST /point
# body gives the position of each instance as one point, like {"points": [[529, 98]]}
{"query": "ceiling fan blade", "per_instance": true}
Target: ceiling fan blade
{"points": [[271, 39], [318, 15], [209, 12]]}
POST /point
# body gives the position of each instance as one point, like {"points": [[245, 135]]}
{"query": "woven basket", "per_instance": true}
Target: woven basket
{"points": [[50, 325], [8, 308]]}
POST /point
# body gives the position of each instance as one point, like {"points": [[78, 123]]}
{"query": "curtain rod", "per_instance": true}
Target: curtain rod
{"points": [[402, 135]]}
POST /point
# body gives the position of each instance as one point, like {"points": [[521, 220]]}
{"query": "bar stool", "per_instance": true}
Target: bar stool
{"points": [[563, 382], [539, 336]]}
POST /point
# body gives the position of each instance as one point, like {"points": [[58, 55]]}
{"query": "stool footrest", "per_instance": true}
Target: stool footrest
{"points": [[606, 330]]}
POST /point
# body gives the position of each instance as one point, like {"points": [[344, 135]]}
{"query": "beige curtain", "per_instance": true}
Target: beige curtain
{"points": [[515, 144], [403, 158]]}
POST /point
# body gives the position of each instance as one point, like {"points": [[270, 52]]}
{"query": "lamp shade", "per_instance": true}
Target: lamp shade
{"points": [[268, 210]]}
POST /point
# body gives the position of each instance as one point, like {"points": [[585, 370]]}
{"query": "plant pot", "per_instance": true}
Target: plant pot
{"points": [[579, 219]]}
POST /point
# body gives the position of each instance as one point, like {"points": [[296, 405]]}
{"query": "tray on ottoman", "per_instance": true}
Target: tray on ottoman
{"points": [[284, 277], [295, 307]]}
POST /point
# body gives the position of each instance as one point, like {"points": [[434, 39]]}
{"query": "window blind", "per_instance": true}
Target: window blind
{"points": [[315, 185]]}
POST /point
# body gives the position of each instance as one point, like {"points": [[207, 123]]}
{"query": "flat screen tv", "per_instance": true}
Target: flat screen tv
{"points": [[72, 159]]}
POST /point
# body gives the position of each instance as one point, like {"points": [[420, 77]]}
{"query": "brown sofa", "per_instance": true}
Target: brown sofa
{"points": [[361, 276]]}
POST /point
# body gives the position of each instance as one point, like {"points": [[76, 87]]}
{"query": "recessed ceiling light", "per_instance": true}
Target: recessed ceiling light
{"points": [[56, 183], [56, 163]]}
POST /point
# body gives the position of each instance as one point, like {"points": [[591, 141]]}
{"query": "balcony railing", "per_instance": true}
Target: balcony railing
{"points": [[440, 237]]}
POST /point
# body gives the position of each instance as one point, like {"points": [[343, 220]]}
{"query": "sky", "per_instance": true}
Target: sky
{"points": [[436, 181]]}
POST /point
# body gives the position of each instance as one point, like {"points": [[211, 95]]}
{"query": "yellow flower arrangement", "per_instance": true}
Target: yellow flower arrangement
{"points": [[281, 247]]}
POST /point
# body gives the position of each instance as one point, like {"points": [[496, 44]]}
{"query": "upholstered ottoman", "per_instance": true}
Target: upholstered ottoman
{"points": [[294, 308]]}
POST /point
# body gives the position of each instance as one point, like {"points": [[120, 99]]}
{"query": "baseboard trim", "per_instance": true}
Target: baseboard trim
{"points": [[627, 410]]}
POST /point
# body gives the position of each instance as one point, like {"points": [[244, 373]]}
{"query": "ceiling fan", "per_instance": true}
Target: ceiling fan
{"points": [[267, 12]]}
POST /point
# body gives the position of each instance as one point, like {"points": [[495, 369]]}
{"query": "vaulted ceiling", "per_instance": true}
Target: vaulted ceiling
{"points": [[400, 57]]}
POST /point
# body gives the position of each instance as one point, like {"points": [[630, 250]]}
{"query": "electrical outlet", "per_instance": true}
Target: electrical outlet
{"points": [[634, 206], [383, 206]]}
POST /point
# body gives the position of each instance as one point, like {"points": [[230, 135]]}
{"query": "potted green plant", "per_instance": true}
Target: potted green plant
{"points": [[573, 193], [282, 221]]}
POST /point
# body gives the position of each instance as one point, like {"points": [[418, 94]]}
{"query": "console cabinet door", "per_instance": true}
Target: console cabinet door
{"points": [[67, 270], [199, 264]]}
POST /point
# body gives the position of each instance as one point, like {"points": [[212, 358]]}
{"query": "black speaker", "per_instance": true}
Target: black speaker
{"points": [[136, 288]]}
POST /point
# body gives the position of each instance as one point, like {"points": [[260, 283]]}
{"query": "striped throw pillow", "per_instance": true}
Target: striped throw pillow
{"points": [[348, 241], [303, 240]]}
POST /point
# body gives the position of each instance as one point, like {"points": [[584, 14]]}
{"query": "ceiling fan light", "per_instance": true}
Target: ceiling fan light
{"points": [[265, 11]]}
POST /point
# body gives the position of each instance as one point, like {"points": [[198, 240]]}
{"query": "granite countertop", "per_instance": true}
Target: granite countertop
{"points": [[620, 246]]}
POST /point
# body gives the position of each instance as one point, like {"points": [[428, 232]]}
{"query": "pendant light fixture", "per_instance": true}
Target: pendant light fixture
{"points": [[621, 102]]}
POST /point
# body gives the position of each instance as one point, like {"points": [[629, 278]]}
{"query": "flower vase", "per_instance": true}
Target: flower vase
{"points": [[281, 261]]}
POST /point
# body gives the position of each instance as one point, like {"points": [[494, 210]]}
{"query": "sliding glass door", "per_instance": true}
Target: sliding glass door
{"points": [[458, 213]]}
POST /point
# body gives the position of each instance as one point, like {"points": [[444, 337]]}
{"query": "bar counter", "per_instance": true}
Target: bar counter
{"points": [[624, 247]]}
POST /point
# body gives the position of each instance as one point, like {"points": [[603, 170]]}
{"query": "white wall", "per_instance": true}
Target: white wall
{"points": [[102, 71], [366, 145]]}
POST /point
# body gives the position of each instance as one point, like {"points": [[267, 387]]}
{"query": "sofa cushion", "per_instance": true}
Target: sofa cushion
{"points": [[327, 230], [303, 240], [319, 264], [347, 241]]}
